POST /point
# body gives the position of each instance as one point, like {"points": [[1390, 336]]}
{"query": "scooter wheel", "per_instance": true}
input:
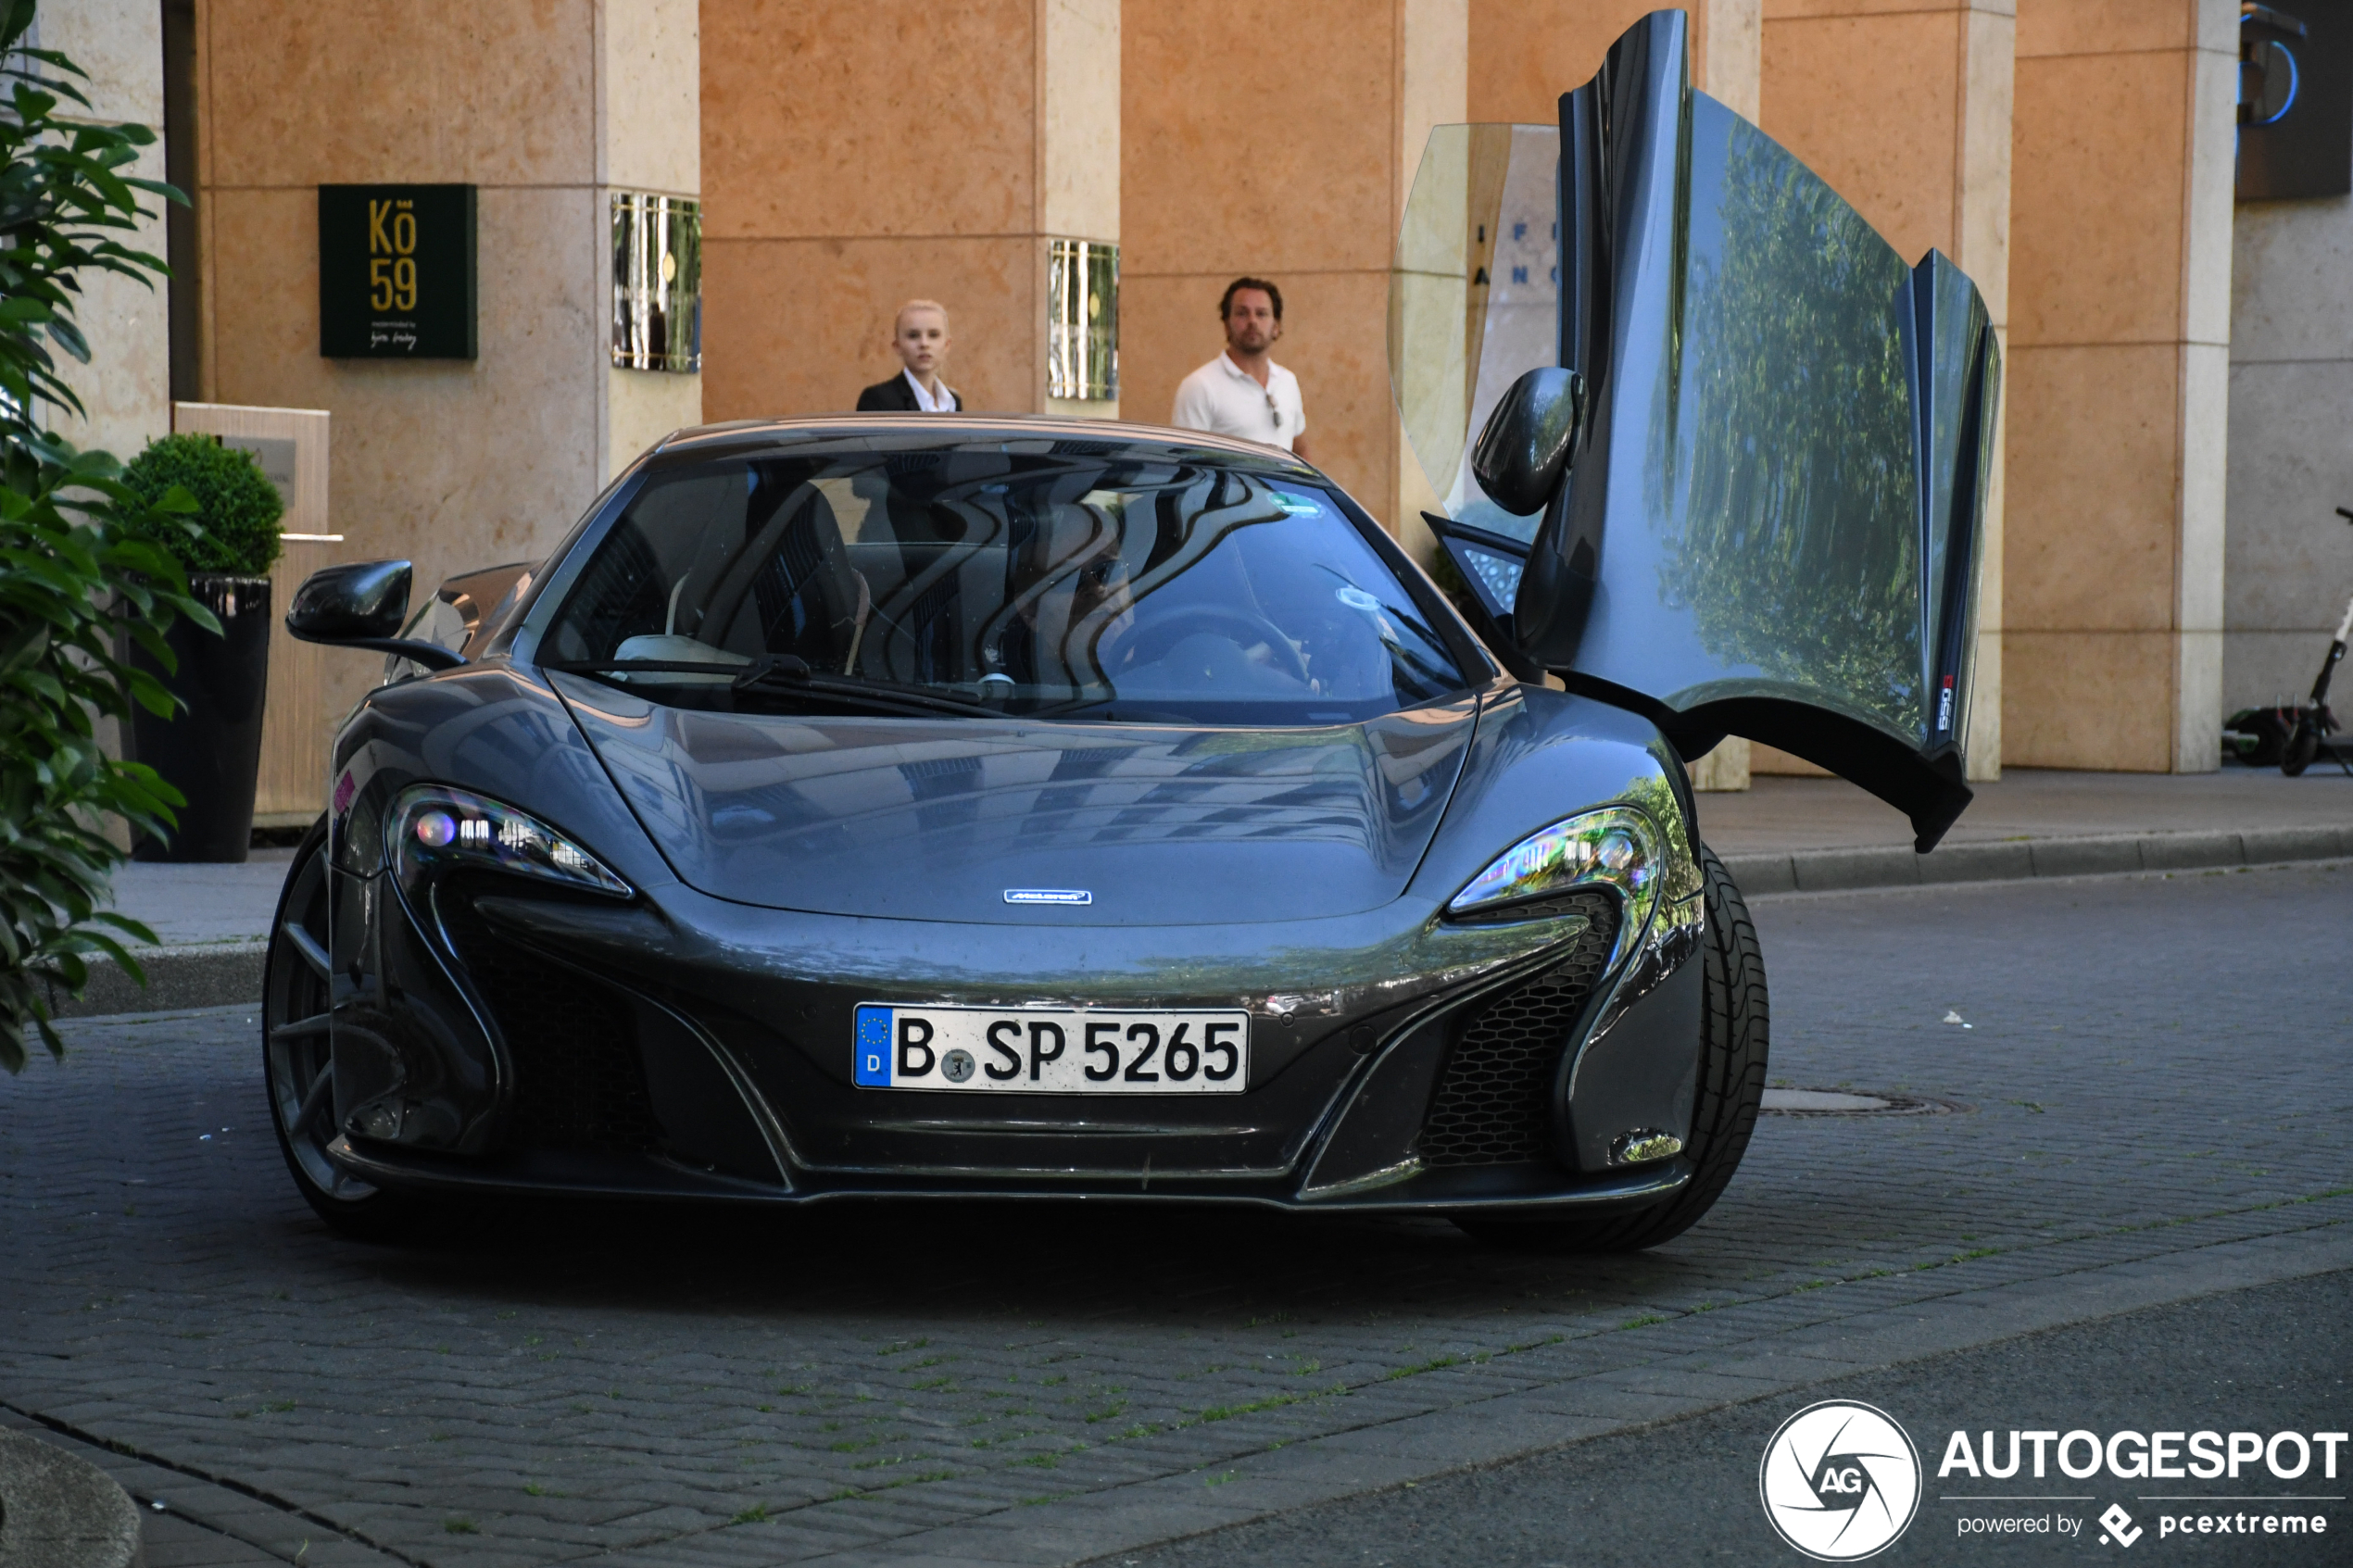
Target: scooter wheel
{"points": [[2302, 746]]}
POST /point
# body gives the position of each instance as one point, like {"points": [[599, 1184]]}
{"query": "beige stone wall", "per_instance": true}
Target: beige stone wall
{"points": [[1295, 175], [1920, 144], [126, 388], [451, 464], [2289, 557], [2119, 383], [858, 153], [1525, 54]]}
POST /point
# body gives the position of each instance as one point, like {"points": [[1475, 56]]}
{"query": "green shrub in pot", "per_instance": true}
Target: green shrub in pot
{"points": [[237, 508], [210, 750]]}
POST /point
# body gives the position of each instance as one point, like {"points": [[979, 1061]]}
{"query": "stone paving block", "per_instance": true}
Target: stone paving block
{"points": [[1342, 1467], [1761, 874], [948, 1555], [2317, 841], [164, 1545], [1830, 870], [1677, 1380], [2089, 856], [1977, 862], [747, 1546], [2190, 851], [1617, 1407], [1082, 1528]]}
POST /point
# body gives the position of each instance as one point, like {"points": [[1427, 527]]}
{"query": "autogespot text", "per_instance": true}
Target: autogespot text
{"points": [[2156, 1456]]}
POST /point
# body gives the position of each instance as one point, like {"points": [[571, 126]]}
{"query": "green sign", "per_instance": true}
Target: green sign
{"points": [[396, 272]]}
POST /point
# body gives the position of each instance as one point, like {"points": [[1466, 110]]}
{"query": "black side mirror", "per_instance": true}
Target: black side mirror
{"points": [[362, 605], [1530, 439]]}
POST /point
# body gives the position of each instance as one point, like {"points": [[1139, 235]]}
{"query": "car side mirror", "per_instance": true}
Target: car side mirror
{"points": [[1530, 439], [362, 605]]}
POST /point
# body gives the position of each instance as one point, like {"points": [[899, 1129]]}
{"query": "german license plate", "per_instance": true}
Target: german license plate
{"points": [[1051, 1051]]}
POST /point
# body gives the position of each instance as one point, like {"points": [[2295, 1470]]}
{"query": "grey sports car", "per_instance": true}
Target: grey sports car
{"points": [[940, 805]]}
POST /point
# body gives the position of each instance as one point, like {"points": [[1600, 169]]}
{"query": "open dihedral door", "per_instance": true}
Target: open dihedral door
{"points": [[1769, 521]]}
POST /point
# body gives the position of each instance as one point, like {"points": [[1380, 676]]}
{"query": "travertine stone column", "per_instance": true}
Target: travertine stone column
{"points": [[1237, 161], [1525, 54], [648, 138], [2119, 383], [126, 388], [1904, 106], [547, 110], [858, 153]]}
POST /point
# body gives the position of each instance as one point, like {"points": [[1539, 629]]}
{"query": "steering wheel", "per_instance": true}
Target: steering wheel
{"points": [[1239, 627]]}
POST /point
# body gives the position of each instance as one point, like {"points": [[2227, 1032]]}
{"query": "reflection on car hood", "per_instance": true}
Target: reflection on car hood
{"points": [[922, 819]]}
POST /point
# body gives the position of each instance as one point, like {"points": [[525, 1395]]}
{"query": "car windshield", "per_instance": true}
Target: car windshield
{"points": [[1091, 580]]}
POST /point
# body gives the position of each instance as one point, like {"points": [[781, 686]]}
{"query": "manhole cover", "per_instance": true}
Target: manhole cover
{"points": [[1849, 1102]]}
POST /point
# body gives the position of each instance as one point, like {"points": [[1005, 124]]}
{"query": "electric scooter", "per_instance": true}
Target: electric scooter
{"points": [[2313, 720], [2293, 736]]}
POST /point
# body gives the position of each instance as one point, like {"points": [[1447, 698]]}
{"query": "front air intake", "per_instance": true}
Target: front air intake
{"points": [[580, 1081], [1492, 1105]]}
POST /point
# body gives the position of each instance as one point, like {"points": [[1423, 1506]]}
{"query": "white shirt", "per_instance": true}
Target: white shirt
{"points": [[944, 404], [1225, 399]]}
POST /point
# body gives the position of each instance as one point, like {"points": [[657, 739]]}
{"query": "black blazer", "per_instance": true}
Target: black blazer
{"points": [[895, 396]]}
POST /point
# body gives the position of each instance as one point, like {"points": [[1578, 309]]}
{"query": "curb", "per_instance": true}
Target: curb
{"points": [[1840, 871], [57, 1510], [207, 974], [229, 973]]}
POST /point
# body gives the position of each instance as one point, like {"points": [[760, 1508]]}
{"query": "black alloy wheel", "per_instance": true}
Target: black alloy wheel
{"points": [[1735, 1027], [297, 1066]]}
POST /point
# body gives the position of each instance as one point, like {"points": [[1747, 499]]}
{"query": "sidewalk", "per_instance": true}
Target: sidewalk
{"points": [[1785, 835], [1814, 835], [212, 924]]}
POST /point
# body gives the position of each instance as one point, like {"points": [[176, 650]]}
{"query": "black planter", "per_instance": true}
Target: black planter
{"points": [[210, 751]]}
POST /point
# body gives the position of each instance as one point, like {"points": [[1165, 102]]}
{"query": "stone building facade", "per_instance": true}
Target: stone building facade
{"points": [[2161, 545]]}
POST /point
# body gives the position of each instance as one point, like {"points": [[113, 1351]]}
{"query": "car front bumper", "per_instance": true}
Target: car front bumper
{"points": [[681, 1046]]}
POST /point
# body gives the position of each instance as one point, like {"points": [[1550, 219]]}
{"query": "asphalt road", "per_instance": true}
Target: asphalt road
{"points": [[2269, 1358], [2144, 1100]]}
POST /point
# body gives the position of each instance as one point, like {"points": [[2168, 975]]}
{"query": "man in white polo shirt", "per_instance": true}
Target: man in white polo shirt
{"points": [[1242, 392]]}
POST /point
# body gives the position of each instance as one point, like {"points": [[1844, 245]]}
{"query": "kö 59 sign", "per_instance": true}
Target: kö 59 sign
{"points": [[396, 272]]}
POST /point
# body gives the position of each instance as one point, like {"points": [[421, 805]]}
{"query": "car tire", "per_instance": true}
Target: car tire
{"points": [[1735, 1038], [296, 1065]]}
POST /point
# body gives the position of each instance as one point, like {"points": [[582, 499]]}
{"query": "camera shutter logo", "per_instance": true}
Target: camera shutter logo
{"points": [[1840, 1481]]}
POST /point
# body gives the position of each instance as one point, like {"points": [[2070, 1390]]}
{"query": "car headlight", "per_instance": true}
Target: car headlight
{"points": [[1614, 847], [435, 829]]}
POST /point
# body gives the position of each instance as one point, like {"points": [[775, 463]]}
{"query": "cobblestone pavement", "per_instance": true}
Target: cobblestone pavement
{"points": [[2271, 1358], [2156, 1105]]}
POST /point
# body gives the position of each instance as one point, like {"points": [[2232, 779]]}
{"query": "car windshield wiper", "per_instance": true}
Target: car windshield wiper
{"points": [[789, 673]]}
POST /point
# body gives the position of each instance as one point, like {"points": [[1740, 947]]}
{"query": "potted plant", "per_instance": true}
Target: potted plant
{"points": [[210, 750]]}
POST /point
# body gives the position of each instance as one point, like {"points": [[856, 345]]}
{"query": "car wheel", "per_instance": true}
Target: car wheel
{"points": [[1733, 1040], [298, 1067]]}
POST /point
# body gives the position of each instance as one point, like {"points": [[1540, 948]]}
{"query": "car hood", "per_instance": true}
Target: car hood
{"points": [[936, 819]]}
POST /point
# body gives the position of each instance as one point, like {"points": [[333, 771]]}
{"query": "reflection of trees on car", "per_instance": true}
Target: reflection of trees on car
{"points": [[1795, 548]]}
